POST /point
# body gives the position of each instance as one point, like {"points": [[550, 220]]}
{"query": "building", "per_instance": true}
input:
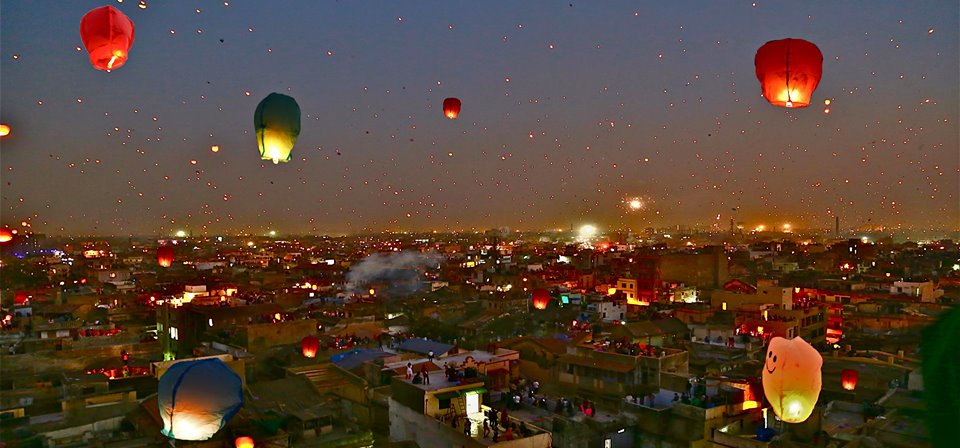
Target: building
{"points": [[708, 269], [433, 412], [632, 369], [925, 291]]}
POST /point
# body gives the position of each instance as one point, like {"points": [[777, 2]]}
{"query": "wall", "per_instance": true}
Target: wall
{"points": [[407, 424], [263, 336], [701, 270]]}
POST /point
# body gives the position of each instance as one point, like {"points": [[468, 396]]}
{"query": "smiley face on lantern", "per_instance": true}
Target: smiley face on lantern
{"points": [[791, 378]]}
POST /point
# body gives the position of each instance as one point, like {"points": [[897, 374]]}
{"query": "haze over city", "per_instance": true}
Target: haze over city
{"points": [[570, 112]]}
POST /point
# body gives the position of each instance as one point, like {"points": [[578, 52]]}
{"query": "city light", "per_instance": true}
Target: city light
{"points": [[587, 231], [181, 234]]}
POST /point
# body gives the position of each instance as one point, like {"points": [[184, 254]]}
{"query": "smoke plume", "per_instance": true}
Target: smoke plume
{"points": [[401, 272]]}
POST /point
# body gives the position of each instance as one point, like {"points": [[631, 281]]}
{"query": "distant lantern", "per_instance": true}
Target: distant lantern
{"points": [[5, 235], [791, 378], [541, 298], [244, 442], [107, 34], [277, 122], [196, 398], [451, 108], [165, 256], [309, 346], [4, 130], [789, 71], [848, 379]]}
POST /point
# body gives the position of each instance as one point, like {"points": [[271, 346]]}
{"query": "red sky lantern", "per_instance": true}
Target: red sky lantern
{"points": [[541, 298], [451, 108], [244, 442], [789, 71], [107, 34], [309, 346], [165, 256], [5, 235], [848, 379]]}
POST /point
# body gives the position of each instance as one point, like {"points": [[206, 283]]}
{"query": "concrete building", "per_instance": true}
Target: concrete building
{"points": [[925, 291], [433, 411]]}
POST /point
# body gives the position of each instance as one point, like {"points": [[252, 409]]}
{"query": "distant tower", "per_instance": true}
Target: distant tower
{"points": [[836, 226]]}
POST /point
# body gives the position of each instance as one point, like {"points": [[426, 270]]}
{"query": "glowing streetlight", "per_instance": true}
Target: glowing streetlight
{"points": [[635, 204], [181, 234]]}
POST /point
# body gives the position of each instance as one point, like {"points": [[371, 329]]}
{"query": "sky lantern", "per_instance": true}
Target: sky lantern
{"points": [[791, 378], [848, 379], [309, 346], [196, 398], [541, 298], [4, 130], [165, 256], [451, 108], [277, 122], [789, 71], [5, 235], [107, 34], [244, 442]]}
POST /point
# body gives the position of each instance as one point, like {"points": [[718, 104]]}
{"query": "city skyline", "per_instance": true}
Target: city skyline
{"points": [[618, 115]]}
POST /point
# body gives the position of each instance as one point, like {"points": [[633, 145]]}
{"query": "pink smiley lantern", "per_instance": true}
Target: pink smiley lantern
{"points": [[791, 378]]}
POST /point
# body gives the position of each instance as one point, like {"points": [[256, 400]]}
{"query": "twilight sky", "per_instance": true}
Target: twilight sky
{"points": [[569, 111]]}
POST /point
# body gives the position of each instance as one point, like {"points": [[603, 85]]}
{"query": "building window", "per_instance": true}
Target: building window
{"points": [[444, 404], [174, 334]]}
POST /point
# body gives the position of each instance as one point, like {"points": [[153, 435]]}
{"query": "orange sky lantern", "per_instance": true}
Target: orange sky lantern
{"points": [[5, 235], [309, 346], [4, 130], [791, 378], [107, 34], [789, 71], [451, 108], [244, 442], [165, 256], [541, 298], [848, 379]]}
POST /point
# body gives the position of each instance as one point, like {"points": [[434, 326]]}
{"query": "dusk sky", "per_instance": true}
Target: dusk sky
{"points": [[569, 110]]}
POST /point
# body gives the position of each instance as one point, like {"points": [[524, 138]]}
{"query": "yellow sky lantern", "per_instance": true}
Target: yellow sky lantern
{"points": [[792, 378], [277, 122], [4, 130]]}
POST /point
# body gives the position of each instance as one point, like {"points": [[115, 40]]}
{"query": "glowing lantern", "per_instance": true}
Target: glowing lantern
{"points": [[789, 71], [451, 108], [309, 346], [5, 235], [848, 379], [791, 378], [244, 442], [541, 298], [4, 130], [277, 122], [107, 34], [165, 256], [196, 398]]}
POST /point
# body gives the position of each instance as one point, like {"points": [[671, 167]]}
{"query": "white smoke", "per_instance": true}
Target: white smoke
{"points": [[401, 271]]}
